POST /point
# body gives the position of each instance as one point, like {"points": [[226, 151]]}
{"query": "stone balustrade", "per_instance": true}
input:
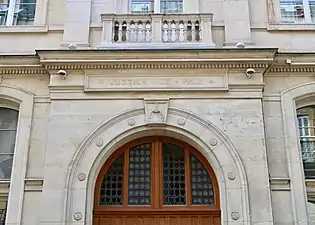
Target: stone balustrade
{"points": [[156, 30]]}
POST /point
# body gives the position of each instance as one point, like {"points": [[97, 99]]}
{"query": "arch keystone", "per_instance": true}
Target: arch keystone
{"points": [[156, 111]]}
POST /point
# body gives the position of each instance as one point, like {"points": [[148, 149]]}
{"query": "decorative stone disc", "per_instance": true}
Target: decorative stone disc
{"points": [[77, 216], [99, 142]]}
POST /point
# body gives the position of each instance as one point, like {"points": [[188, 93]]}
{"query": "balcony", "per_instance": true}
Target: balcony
{"points": [[157, 31]]}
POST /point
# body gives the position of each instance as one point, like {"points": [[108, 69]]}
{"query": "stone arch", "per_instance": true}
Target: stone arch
{"points": [[23, 101], [289, 99], [194, 130]]}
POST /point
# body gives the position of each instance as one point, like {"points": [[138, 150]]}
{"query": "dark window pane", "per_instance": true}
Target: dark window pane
{"points": [[8, 126], [139, 187], [25, 12], [5, 166], [111, 189], [174, 175], [8, 119], [7, 141], [201, 185]]}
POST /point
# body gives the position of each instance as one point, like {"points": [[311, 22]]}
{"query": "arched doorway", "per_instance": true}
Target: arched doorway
{"points": [[156, 180]]}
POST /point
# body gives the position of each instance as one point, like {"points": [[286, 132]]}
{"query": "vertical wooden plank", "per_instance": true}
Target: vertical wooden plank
{"points": [[154, 171], [96, 220], [217, 220], [157, 173], [188, 177], [159, 177], [125, 178]]}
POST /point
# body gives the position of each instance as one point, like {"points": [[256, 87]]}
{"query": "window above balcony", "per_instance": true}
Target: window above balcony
{"points": [[156, 6]]}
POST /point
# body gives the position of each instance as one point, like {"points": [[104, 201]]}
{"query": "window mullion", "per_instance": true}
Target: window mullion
{"points": [[157, 180], [307, 11], [125, 178], [10, 15], [156, 4], [188, 178]]}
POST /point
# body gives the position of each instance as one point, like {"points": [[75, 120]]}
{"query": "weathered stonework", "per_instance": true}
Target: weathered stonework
{"points": [[70, 125]]}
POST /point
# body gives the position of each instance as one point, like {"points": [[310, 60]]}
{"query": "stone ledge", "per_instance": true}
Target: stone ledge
{"points": [[33, 184], [22, 29], [289, 27], [280, 184]]}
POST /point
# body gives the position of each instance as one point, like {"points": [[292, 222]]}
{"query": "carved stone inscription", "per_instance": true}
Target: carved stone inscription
{"points": [[105, 83]]}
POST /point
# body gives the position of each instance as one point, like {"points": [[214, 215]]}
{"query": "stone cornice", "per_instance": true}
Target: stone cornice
{"points": [[21, 65], [153, 65], [292, 69], [156, 59], [48, 61], [22, 70], [153, 54]]}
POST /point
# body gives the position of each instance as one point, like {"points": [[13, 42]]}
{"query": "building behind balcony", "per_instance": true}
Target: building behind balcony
{"points": [[140, 112]]}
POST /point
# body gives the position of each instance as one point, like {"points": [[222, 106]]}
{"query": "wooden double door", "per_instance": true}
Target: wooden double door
{"points": [[156, 181]]}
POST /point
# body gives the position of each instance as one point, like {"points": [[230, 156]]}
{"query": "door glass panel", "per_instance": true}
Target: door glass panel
{"points": [[174, 175], [201, 185], [111, 189], [139, 175]]}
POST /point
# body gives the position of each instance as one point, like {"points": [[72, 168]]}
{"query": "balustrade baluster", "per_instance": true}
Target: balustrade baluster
{"points": [[128, 31], [189, 31], [120, 32], [173, 31], [197, 31], [137, 31], [181, 31], [148, 32], [185, 31], [124, 31], [132, 31], [116, 32], [193, 31], [165, 31]]}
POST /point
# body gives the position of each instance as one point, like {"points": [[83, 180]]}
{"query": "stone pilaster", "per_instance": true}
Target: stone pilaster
{"points": [[77, 23], [237, 22]]}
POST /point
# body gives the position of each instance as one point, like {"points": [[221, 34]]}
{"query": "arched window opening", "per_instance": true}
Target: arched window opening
{"points": [[306, 124], [156, 175]]}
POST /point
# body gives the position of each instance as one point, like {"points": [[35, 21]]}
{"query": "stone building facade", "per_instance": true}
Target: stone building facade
{"points": [[162, 112]]}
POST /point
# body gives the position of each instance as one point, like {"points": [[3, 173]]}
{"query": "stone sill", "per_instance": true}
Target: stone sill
{"points": [[152, 46], [22, 29], [290, 26]]}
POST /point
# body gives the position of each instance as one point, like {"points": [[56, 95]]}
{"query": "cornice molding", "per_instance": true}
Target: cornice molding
{"points": [[156, 59], [153, 65], [293, 69], [23, 71], [10, 68], [44, 69], [47, 61]]}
